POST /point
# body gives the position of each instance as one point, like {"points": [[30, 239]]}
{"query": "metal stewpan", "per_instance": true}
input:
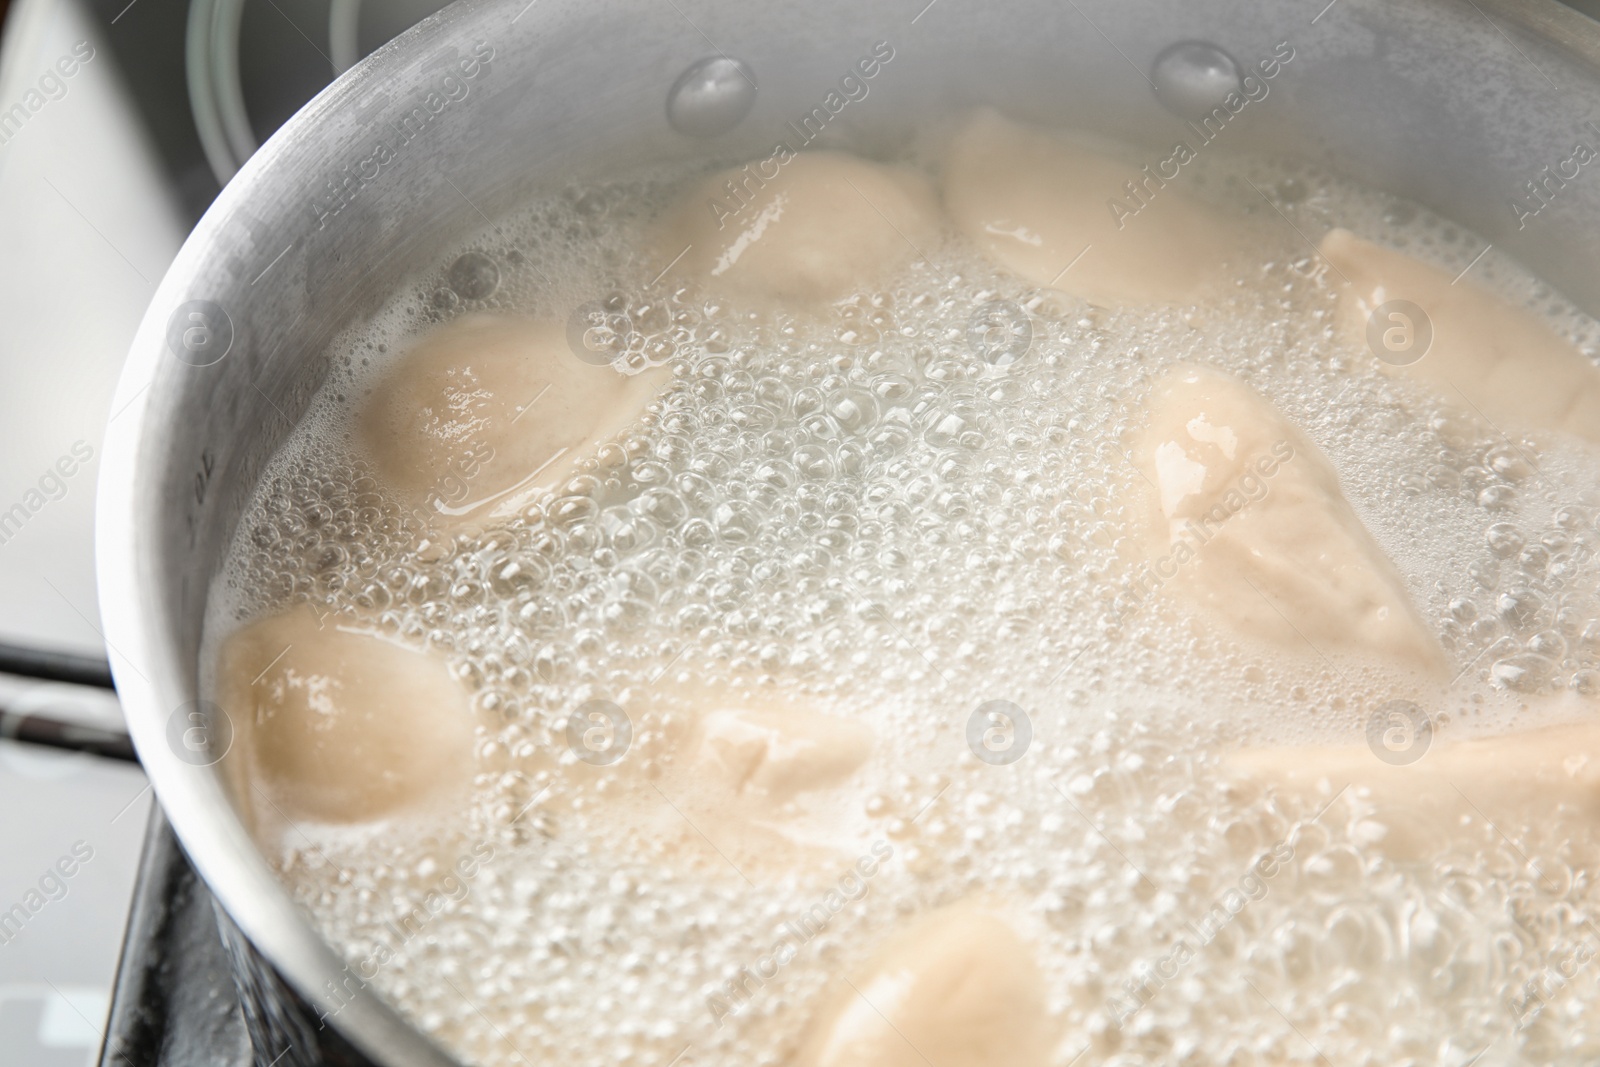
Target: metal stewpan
{"points": [[1452, 103]]}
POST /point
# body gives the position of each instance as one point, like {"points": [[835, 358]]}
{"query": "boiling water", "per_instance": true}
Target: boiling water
{"points": [[858, 512]]}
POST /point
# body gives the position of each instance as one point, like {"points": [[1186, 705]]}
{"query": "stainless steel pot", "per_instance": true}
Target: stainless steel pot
{"points": [[1454, 103]]}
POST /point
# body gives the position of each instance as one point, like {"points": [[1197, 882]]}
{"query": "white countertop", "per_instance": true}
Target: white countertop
{"points": [[87, 227]]}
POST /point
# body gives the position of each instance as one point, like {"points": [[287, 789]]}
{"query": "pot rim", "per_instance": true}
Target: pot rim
{"points": [[146, 665]]}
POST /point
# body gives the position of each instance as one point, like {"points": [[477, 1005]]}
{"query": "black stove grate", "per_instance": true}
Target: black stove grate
{"points": [[191, 990], [175, 1003]]}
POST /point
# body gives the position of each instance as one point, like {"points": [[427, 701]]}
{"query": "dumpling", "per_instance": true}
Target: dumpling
{"points": [[341, 725], [736, 783], [773, 755], [957, 988], [1497, 358], [1242, 513], [489, 409], [824, 226], [1538, 777], [1034, 202]]}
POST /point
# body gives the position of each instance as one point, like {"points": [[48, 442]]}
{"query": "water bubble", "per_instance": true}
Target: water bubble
{"points": [[1518, 606], [1192, 78], [598, 334], [1000, 332], [711, 97], [852, 411], [1508, 463], [1549, 644], [474, 275], [736, 522], [958, 426], [1570, 518], [1504, 539], [1497, 498], [1526, 673], [1444, 478]]}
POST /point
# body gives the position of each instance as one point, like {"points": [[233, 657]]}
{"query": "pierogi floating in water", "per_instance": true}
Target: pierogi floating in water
{"points": [[846, 612], [484, 411], [1040, 204], [826, 226], [339, 724], [1250, 519], [1480, 351]]}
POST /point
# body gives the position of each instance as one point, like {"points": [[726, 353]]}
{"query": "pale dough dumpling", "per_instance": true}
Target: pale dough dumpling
{"points": [[1498, 358], [488, 409], [741, 782], [824, 226], [341, 725], [1523, 779], [957, 988], [1245, 515], [1034, 201], [774, 755], [768, 781]]}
